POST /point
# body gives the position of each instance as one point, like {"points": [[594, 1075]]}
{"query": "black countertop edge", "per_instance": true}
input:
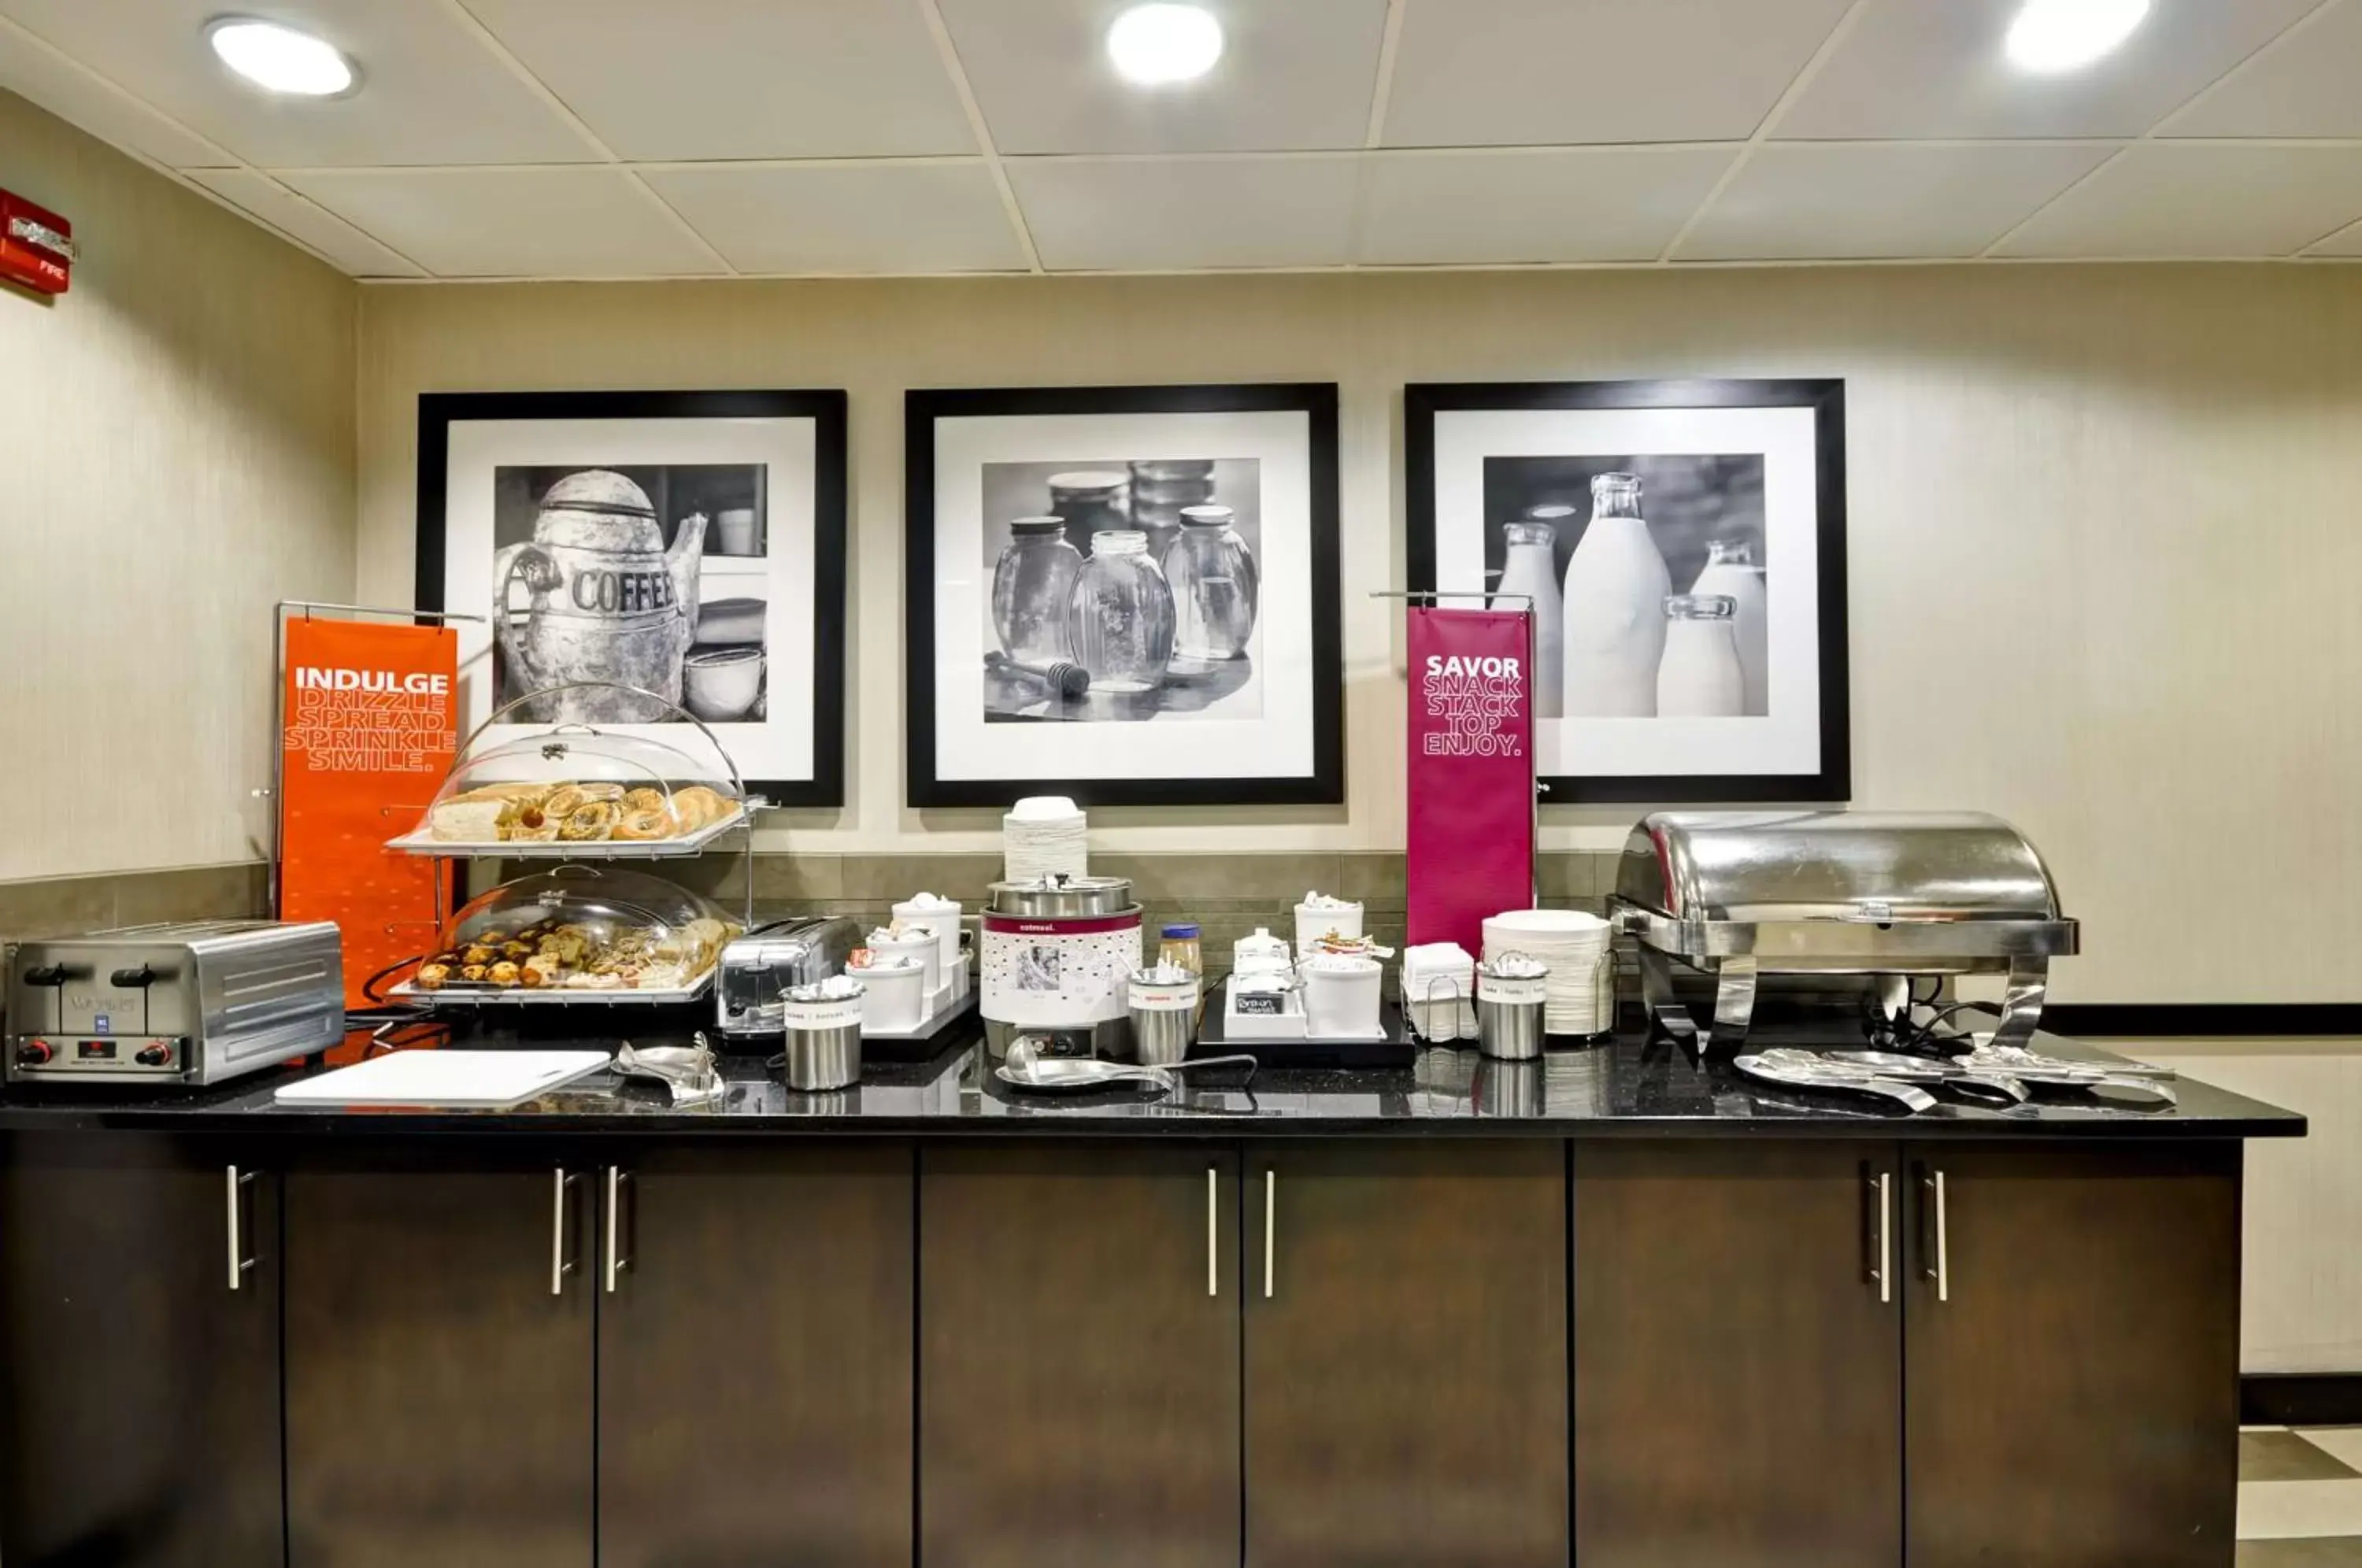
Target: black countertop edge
{"points": [[1628, 1087]]}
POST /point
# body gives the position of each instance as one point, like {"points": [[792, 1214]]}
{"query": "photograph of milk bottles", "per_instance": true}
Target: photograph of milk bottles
{"points": [[1128, 592], [1681, 546], [662, 558], [1646, 578]]}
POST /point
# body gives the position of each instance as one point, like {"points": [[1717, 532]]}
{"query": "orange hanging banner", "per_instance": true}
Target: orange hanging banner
{"points": [[370, 730]]}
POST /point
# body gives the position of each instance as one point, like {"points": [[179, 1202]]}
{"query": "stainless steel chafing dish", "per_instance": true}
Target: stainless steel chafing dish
{"points": [[1885, 894]]}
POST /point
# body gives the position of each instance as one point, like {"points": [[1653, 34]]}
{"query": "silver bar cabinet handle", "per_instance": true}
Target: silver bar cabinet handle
{"points": [[236, 1183], [1213, 1196], [1885, 1239], [1940, 1269], [1269, 1226], [617, 1260], [560, 1266]]}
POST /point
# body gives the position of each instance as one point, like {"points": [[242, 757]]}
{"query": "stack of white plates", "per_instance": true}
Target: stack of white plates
{"points": [[1573, 944], [1043, 836]]}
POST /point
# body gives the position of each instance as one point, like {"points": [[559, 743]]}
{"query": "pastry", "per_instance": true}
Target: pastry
{"points": [[563, 800], [698, 807], [501, 974], [478, 953], [544, 828], [591, 820], [516, 952], [473, 974], [643, 799], [466, 822], [432, 976], [644, 825], [542, 970], [507, 790]]}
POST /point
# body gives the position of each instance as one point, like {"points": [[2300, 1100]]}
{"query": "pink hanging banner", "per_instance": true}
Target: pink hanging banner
{"points": [[1472, 771]]}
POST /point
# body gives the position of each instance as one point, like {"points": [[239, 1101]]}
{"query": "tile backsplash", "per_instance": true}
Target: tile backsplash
{"points": [[1229, 895]]}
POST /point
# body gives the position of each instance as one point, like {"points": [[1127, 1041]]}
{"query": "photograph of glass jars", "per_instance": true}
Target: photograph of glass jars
{"points": [[1122, 591]]}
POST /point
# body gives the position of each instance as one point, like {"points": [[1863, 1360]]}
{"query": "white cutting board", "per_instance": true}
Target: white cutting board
{"points": [[475, 1080]]}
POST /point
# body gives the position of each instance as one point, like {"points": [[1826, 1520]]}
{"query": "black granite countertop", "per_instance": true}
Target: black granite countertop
{"points": [[1626, 1087]]}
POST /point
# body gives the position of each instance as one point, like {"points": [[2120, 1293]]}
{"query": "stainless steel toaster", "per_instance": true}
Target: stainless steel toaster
{"points": [[1890, 895], [759, 968], [188, 1003]]}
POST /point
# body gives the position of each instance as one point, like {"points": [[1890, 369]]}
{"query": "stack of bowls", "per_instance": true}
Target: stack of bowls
{"points": [[1573, 945], [1043, 836]]}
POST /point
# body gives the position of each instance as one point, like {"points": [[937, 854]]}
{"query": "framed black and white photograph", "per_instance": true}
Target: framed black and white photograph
{"points": [[1681, 543], [1126, 595], [686, 545]]}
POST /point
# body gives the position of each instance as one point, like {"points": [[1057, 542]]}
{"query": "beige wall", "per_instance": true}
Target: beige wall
{"points": [[176, 455], [2104, 520]]}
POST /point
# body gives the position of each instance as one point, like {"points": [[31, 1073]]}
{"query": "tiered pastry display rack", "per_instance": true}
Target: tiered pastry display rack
{"points": [[565, 793]]}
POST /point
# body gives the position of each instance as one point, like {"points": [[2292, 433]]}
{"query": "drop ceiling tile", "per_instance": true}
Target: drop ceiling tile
{"points": [[331, 236], [1469, 72], [848, 217], [2308, 83], [1167, 215], [1935, 69], [1294, 74], [2213, 200], [1853, 202], [431, 92], [1561, 204], [512, 222], [739, 79], [42, 74]]}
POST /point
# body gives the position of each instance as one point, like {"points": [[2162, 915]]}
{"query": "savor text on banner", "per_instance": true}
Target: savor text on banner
{"points": [[1470, 847]]}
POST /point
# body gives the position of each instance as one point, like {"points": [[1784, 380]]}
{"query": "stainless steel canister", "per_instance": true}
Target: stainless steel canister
{"points": [[1161, 1011], [1509, 1009], [823, 1036]]}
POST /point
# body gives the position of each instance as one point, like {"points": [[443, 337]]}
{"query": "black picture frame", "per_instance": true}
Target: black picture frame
{"points": [[437, 412], [1832, 781], [923, 408]]}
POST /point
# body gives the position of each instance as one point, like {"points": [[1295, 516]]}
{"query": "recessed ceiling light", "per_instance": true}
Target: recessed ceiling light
{"points": [[2052, 36], [1153, 45], [279, 59]]}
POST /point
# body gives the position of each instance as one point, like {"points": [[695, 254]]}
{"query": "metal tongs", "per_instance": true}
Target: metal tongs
{"points": [[1026, 1068]]}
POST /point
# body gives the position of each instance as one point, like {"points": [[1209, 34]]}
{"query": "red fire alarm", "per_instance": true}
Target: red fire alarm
{"points": [[36, 246]]}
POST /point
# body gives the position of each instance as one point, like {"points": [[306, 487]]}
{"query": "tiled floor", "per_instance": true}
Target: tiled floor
{"points": [[2300, 1497]]}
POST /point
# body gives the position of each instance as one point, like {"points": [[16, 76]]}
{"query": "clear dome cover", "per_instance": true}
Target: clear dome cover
{"points": [[574, 787], [579, 929]]}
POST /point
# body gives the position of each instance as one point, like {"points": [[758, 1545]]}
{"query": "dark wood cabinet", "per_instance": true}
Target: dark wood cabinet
{"points": [[2072, 1344], [755, 1356], [440, 1358], [1078, 1356], [139, 1280], [1738, 1355], [1406, 1355]]}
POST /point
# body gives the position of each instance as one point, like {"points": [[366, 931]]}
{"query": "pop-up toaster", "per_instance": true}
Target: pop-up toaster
{"points": [[188, 1003], [759, 968]]}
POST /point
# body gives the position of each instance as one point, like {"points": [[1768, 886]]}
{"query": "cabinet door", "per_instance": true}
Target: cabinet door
{"points": [[439, 1363], [1078, 1356], [1406, 1355], [755, 1357], [2072, 1347], [140, 1406], [1737, 1355]]}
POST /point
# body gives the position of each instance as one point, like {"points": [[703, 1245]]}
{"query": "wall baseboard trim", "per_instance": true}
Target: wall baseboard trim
{"points": [[2169, 1019], [2300, 1400]]}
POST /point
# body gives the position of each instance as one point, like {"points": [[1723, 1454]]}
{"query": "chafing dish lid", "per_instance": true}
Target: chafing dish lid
{"points": [[1063, 897], [1876, 866]]}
